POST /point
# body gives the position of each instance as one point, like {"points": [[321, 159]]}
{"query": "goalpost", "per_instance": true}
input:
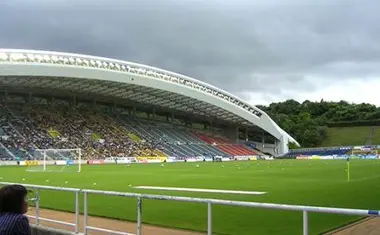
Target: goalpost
{"points": [[57, 160]]}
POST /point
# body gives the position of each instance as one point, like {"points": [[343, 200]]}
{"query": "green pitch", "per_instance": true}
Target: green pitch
{"points": [[303, 182]]}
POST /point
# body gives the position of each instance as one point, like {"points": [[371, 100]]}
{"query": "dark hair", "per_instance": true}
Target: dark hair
{"points": [[12, 198]]}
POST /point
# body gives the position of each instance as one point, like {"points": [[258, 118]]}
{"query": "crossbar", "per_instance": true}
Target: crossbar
{"points": [[210, 202]]}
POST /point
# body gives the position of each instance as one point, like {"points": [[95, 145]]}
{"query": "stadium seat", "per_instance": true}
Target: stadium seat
{"points": [[227, 146], [34, 126], [319, 151]]}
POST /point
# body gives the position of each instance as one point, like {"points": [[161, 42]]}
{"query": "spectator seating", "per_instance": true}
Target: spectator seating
{"points": [[24, 128], [173, 141], [227, 146], [4, 155], [319, 151]]}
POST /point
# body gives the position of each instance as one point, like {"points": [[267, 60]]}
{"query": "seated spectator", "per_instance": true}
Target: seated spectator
{"points": [[13, 206]]}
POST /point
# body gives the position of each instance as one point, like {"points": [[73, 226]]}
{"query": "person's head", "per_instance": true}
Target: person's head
{"points": [[13, 199]]}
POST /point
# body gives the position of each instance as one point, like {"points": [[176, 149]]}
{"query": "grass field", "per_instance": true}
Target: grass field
{"points": [[340, 136], [305, 182]]}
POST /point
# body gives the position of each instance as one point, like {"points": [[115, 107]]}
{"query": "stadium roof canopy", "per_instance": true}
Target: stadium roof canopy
{"points": [[101, 77]]}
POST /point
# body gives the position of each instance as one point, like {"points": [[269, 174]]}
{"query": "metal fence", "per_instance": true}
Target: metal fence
{"points": [[210, 202]]}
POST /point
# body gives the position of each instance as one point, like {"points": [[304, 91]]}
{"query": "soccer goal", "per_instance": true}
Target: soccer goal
{"points": [[57, 160]]}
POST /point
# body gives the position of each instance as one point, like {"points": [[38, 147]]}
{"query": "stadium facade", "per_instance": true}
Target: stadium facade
{"points": [[138, 87]]}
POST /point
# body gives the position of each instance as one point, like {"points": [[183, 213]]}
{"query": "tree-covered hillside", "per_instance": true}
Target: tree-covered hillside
{"points": [[307, 122]]}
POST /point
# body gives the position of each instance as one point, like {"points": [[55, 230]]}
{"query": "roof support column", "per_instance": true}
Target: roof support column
{"points": [[275, 147], [246, 134], [282, 145], [154, 113], [134, 111], [30, 97]]}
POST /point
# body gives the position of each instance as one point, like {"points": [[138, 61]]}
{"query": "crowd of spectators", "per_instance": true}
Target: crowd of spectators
{"points": [[24, 128]]}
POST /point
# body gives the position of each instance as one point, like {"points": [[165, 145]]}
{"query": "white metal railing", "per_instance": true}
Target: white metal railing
{"points": [[210, 202]]}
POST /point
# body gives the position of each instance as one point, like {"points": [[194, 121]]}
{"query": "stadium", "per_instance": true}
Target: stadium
{"points": [[133, 88], [67, 113]]}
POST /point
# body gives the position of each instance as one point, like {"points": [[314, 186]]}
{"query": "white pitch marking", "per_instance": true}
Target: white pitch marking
{"points": [[201, 190]]}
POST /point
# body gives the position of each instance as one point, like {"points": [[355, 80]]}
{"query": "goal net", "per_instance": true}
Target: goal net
{"points": [[56, 160]]}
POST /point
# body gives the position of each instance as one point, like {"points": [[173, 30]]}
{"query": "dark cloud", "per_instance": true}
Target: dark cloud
{"points": [[239, 45]]}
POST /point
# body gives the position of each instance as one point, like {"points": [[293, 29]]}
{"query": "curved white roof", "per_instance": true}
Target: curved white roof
{"points": [[75, 73]]}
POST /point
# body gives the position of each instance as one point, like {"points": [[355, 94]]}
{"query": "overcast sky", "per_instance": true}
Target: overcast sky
{"points": [[262, 51]]}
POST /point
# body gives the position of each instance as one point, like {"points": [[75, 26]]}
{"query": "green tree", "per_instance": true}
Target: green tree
{"points": [[311, 137], [307, 121]]}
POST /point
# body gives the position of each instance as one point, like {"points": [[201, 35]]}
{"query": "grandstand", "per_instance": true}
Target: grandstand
{"points": [[111, 108], [364, 152], [331, 151], [349, 141]]}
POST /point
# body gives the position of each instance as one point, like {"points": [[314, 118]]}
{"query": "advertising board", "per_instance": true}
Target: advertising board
{"points": [[154, 161], [109, 161], [95, 162], [82, 162], [8, 163], [242, 158], [47, 162], [31, 163], [123, 161], [327, 157], [60, 163], [302, 157], [340, 157], [369, 157]]}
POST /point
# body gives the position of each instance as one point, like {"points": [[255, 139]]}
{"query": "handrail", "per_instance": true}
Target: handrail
{"points": [[208, 201], [317, 209]]}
